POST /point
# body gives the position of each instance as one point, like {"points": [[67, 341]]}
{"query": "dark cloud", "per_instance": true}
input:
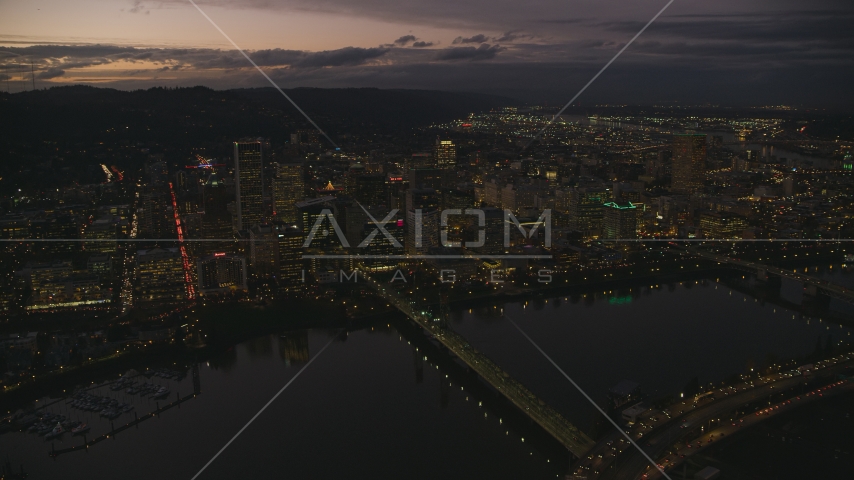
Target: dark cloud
{"points": [[65, 57], [270, 57], [830, 29], [561, 21], [764, 51], [4, 77], [483, 52], [347, 56], [138, 6], [510, 36], [51, 73], [340, 57], [597, 44], [405, 39], [479, 38]]}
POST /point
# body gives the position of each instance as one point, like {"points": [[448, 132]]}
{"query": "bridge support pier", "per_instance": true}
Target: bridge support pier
{"points": [[815, 300], [814, 294], [769, 280]]}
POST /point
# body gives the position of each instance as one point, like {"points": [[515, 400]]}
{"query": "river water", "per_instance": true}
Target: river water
{"points": [[365, 409]]}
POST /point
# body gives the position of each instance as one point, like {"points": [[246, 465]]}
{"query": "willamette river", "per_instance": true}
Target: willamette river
{"points": [[366, 409]]}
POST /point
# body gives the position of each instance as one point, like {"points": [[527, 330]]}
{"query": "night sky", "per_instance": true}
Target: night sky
{"points": [[727, 52]]}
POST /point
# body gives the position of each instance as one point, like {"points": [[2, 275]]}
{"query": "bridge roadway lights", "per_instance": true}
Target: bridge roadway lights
{"points": [[549, 419]]}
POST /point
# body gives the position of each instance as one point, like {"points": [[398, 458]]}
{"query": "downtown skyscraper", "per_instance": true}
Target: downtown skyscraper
{"points": [[249, 182], [689, 163], [288, 189], [445, 154]]}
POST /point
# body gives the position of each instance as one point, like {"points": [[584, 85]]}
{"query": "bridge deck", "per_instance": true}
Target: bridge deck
{"points": [[837, 291], [549, 419]]}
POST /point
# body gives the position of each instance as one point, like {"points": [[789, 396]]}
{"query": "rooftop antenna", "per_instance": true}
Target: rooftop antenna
{"points": [[33, 73]]}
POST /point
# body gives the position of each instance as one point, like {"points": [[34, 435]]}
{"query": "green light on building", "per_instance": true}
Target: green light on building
{"points": [[616, 205]]}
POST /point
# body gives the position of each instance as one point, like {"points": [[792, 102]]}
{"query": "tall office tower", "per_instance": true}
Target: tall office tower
{"points": [[492, 233], [263, 251], [689, 163], [156, 170], [585, 210], [221, 272], [290, 240], [370, 189], [445, 153], [426, 178], [99, 232], [288, 189], [422, 230], [159, 276], [216, 221], [324, 234], [249, 182], [380, 251], [461, 197], [492, 193], [620, 221], [154, 218], [421, 160], [307, 138], [421, 198]]}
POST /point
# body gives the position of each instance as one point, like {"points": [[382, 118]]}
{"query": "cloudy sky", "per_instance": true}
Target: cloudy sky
{"points": [[737, 52]]}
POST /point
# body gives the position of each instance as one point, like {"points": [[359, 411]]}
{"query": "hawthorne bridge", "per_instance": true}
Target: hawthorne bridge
{"points": [[546, 417]]}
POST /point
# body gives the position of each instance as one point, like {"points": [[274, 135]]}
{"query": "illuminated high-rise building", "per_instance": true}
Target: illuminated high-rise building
{"points": [[216, 220], [288, 189], [249, 182], [263, 251], [445, 154], [153, 214], [418, 160], [689, 163], [620, 221], [586, 206], [290, 240], [380, 251], [422, 230], [370, 189], [159, 276], [491, 233], [722, 225], [221, 272]]}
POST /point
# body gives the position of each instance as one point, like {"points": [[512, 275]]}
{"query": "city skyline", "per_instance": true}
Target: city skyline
{"points": [[572, 239]]}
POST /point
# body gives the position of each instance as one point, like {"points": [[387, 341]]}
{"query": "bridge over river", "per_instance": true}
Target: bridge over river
{"points": [[812, 286], [546, 417]]}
